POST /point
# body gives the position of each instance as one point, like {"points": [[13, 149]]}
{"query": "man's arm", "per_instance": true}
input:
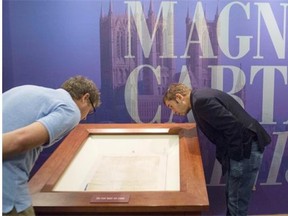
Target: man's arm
{"points": [[221, 119], [23, 139]]}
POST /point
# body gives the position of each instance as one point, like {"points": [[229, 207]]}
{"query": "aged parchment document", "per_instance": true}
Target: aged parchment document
{"points": [[129, 173]]}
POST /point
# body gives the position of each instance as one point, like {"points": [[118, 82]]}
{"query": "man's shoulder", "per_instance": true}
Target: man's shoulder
{"points": [[204, 93]]}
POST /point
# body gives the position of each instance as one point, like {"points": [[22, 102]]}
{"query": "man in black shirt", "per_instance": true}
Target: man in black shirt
{"points": [[240, 140]]}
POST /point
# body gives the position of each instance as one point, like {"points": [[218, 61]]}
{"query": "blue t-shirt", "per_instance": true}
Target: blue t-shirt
{"points": [[23, 105]]}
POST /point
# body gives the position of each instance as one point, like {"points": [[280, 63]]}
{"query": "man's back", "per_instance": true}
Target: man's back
{"points": [[22, 106]]}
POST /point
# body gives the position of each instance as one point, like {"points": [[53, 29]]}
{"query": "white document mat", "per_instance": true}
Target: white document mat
{"points": [[129, 173], [124, 163]]}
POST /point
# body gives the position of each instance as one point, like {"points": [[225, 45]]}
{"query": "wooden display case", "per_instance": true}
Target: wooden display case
{"points": [[185, 194]]}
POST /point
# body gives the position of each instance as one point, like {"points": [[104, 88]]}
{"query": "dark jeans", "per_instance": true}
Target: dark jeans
{"points": [[240, 182]]}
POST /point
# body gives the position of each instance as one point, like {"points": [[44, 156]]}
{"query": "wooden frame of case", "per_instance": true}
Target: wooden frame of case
{"points": [[192, 198]]}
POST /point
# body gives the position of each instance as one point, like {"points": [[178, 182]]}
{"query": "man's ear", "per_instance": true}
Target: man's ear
{"points": [[85, 97], [178, 98]]}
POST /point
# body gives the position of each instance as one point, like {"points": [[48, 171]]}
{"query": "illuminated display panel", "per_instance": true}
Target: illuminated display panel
{"points": [[186, 194], [124, 163]]}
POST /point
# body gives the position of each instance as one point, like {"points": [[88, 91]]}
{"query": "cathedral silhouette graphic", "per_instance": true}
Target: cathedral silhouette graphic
{"points": [[116, 68]]}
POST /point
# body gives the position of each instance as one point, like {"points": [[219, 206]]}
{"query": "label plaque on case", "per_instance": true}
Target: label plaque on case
{"points": [[110, 198]]}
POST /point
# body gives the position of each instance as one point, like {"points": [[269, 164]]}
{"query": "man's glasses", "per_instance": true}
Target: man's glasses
{"points": [[93, 111]]}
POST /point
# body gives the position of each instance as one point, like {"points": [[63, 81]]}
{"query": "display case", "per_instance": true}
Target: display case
{"points": [[123, 169]]}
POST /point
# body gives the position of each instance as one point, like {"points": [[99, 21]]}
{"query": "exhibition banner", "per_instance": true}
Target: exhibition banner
{"points": [[133, 50]]}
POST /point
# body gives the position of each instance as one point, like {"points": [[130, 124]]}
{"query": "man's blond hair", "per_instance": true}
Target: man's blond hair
{"points": [[173, 89]]}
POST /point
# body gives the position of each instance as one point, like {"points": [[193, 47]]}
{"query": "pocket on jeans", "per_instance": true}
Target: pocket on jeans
{"points": [[236, 168], [255, 158]]}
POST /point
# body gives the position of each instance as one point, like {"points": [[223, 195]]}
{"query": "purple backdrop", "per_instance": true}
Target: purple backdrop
{"points": [[134, 49]]}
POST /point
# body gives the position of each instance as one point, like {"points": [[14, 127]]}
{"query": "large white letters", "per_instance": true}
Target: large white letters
{"points": [[277, 158], [217, 79], [131, 93], [146, 41], [199, 23], [223, 31], [279, 42], [268, 89]]}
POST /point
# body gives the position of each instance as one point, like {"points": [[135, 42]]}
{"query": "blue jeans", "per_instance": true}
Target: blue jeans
{"points": [[240, 182]]}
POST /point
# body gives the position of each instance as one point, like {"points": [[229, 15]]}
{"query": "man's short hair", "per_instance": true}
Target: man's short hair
{"points": [[77, 86], [173, 89]]}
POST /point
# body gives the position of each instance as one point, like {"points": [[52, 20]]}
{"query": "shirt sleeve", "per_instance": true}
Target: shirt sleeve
{"points": [[214, 113], [60, 121]]}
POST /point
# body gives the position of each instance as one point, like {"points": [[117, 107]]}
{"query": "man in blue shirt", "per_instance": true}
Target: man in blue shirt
{"points": [[35, 118]]}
